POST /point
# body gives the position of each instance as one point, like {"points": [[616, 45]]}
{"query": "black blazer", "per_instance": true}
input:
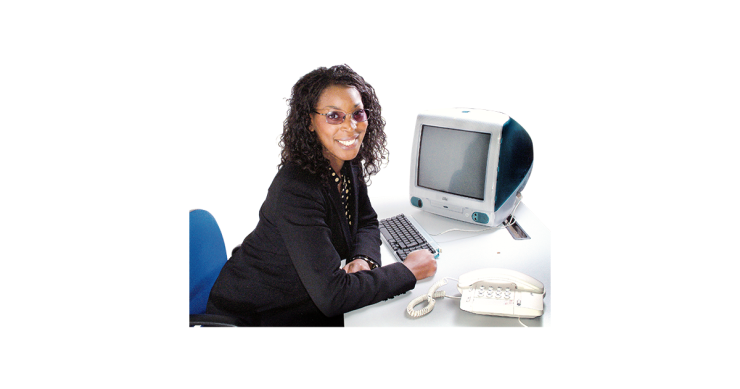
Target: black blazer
{"points": [[287, 271]]}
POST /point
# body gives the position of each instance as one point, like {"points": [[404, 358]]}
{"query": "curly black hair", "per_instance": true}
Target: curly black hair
{"points": [[302, 147]]}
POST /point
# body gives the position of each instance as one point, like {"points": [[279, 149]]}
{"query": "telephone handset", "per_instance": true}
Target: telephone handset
{"points": [[498, 292]]}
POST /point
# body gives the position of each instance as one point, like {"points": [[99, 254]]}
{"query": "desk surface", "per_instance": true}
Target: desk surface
{"points": [[462, 252]]}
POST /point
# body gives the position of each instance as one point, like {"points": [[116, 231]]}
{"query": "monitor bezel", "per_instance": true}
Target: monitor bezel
{"points": [[460, 119]]}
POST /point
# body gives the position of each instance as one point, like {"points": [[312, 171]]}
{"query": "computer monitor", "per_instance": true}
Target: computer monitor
{"points": [[469, 164]]}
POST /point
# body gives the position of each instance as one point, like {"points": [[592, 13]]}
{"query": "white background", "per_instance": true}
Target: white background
{"points": [[119, 117]]}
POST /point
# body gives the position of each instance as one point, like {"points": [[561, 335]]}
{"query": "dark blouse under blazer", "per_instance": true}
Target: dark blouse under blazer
{"points": [[287, 271]]}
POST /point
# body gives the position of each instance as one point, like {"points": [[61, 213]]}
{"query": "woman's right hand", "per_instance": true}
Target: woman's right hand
{"points": [[421, 263]]}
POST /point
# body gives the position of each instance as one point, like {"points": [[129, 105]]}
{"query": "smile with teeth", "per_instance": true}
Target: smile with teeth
{"points": [[347, 142]]}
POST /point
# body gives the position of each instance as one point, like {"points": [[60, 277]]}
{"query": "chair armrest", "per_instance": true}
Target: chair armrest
{"points": [[208, 320]]}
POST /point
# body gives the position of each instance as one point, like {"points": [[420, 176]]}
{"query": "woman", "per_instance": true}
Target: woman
{"points": [[287, 271]]}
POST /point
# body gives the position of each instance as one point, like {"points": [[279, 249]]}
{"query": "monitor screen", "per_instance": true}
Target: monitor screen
{"points": [[453, 161]]}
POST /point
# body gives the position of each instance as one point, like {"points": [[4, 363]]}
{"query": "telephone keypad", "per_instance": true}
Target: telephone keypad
{"points": [[493, 292]]}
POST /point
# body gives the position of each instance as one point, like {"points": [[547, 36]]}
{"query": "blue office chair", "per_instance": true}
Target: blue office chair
{"points": [[207, 257]]}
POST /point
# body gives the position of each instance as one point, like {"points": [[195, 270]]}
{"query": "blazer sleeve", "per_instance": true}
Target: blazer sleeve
{"points": [[307, 237], [367, 237]]}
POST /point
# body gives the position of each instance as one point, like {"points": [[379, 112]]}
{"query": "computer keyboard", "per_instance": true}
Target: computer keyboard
{"points": [[404, 235]]}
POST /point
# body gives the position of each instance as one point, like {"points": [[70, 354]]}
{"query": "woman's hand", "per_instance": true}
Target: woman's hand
{"points": [[421, 263], [356, 265]]}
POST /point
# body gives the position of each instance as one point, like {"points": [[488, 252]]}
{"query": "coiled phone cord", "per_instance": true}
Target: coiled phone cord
{"points": [[429, 297]]}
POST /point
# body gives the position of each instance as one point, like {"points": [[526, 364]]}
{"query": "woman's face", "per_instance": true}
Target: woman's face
{"points": [[341, 142]]}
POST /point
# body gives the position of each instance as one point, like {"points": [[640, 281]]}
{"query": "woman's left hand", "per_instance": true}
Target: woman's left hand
{"points": [[356, 265]]}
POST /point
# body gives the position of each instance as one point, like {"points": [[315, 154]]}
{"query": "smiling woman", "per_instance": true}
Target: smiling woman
{"points": [[288, 272], [340, 138], [318, 95]]}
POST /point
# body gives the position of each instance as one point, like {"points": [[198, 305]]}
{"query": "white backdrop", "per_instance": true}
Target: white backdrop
{"points": [[118, 118]]}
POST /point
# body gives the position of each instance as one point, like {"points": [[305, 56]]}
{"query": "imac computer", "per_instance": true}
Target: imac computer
{"points": [[469, 165]]}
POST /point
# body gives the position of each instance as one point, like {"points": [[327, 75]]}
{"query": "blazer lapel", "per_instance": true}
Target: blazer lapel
{"points": [[347, 230]]}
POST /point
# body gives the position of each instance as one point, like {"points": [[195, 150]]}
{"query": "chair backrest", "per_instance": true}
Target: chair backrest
{"points": [[207, 257]]}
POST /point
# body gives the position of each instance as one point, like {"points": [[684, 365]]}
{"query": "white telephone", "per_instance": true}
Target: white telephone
{"points": [[498, 292]]}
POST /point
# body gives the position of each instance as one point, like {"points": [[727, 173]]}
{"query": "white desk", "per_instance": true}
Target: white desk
{"points": [[462, 252]]}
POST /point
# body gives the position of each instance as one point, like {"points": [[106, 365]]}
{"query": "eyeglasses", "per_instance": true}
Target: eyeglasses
{"points": [[337, 117]]}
